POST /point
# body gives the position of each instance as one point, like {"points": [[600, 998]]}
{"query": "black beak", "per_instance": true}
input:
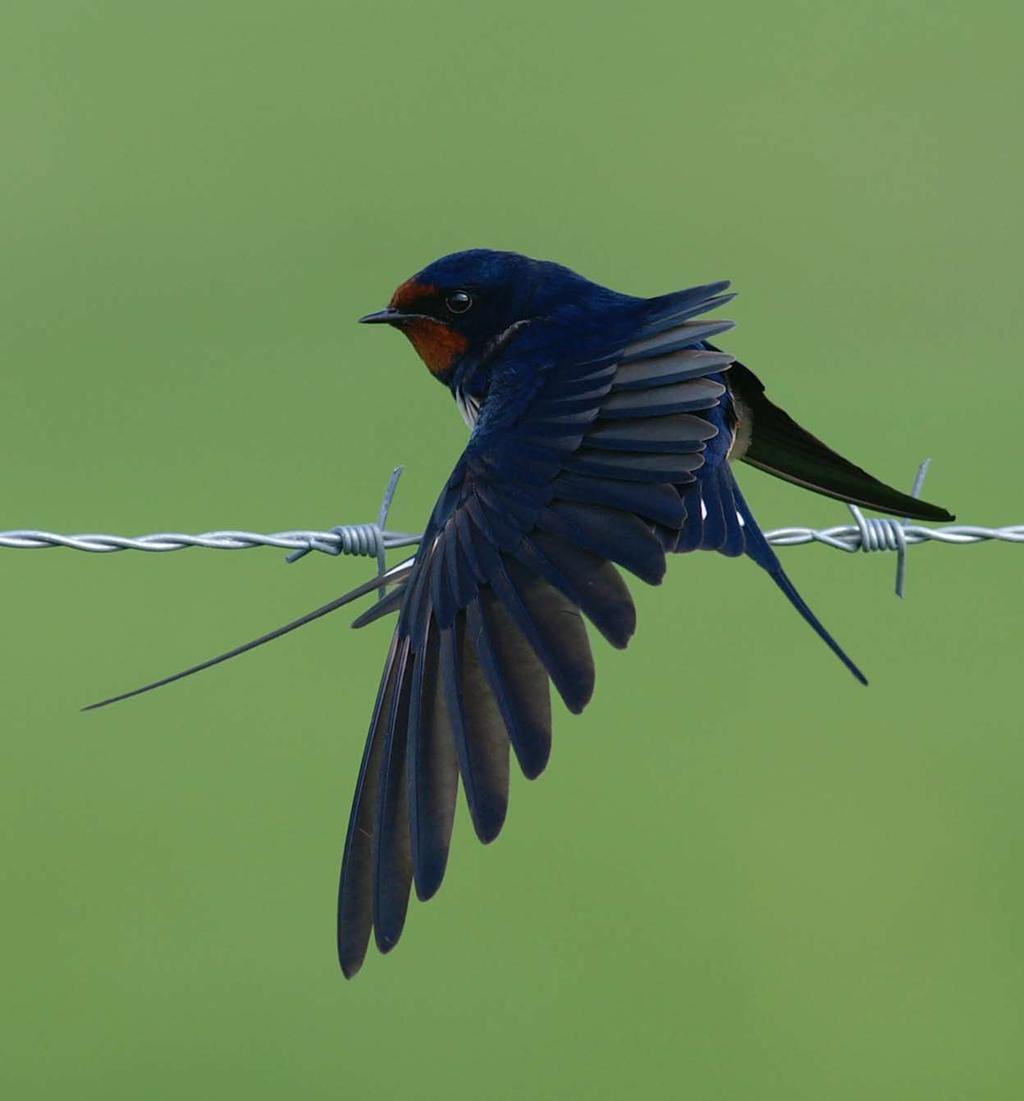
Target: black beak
{"points": [[382, 317]]}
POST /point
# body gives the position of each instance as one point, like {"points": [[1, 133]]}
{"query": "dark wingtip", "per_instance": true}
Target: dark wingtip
{"points": [[387, 939], [532, 765], [577, 704], [428, 875], [488, 825], [655, 574], [427, 888], [925, 511], [350, 966]]}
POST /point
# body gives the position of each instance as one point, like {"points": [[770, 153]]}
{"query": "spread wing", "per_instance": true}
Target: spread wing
{"points": [[575, 469]]}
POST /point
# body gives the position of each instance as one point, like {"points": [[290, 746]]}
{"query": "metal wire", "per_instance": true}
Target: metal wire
{"points": [[357, 539], [868, 534], [850, 537], [347, 539], [366, 540]]}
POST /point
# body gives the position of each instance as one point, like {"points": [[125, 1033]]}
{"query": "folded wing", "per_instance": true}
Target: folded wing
{"points": [[779, 446]]}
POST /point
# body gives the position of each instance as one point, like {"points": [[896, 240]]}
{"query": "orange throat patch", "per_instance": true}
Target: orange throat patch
{"points": [[436, 344]]}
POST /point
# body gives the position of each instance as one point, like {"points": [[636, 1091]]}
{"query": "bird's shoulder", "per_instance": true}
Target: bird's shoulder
{"points": [[548, 355]]}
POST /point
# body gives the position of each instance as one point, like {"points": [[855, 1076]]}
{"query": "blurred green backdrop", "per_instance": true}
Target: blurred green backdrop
{"points": [[742, 877]]}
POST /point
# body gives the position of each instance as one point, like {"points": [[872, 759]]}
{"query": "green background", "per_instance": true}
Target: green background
{"points": [[742, 876]]}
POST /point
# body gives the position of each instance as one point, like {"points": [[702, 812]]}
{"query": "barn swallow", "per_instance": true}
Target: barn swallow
{"points": [[602, 432]]}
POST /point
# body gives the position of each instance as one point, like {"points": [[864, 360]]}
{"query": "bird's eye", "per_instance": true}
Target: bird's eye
{"points": [[458, 302]]}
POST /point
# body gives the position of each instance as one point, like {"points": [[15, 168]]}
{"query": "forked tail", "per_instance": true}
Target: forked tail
{"points": [[758, 548]]}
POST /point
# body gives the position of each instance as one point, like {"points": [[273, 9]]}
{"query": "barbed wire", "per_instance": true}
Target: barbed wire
{"points": [[374, 540], [356, 539]]}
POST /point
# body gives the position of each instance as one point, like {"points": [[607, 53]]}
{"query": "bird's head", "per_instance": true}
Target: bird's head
{"points": [[455, 309]]}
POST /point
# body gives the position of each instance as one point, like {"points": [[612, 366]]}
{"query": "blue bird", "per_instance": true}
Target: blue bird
{"points": [[603, 427]]}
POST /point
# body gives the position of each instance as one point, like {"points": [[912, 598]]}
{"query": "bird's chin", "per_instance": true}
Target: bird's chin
{"points": [[438, 345]]}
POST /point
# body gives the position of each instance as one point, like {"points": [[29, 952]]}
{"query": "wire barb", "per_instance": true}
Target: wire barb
{"points": [[884, 533], [363, 539]]}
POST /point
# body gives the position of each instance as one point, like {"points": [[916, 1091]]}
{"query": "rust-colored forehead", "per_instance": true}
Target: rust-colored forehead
{"points": [[411, 292]]}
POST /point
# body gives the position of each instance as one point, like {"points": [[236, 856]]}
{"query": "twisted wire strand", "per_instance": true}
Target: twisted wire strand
{"points": [[356, 539], [362, 539], [850, 537]]}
